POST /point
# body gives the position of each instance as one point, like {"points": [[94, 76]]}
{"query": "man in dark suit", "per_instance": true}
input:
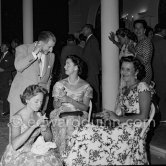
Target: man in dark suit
{"points": [[34, 63], [92, 56], [6, 68], [159, 66]]}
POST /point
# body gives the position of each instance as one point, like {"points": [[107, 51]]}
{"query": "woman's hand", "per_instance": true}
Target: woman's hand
{"points": [[44, 125], [57, 103], [131, 49], [107, 115], [40, 121], [66, 99], [113, 116], [112, 36]]}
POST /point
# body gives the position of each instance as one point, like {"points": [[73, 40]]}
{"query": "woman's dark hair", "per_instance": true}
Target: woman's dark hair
{"points": [[82, 37], [148, 29], [143, 22], [159, 27], [78, 62], [70, 37], [126, 32], [30, 92], [138, 66], [133, 37], [122, 32]]}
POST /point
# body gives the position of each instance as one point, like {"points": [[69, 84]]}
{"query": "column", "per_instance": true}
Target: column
{"points": [[110, 58], [0, 23], [27, 21]]}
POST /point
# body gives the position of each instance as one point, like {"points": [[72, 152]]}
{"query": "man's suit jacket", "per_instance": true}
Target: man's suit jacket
{"points": [[92, 56], [159, 63], [28, 72]]}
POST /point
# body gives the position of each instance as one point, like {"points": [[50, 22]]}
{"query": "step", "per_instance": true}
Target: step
{"points": [[157, 151], [158, 142]]}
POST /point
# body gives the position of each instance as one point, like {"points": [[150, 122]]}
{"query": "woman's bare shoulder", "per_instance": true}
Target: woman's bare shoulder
{"points": [[83, 82]]}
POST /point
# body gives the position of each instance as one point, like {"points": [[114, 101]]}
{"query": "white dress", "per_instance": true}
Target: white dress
{"points": [[63, 127]]}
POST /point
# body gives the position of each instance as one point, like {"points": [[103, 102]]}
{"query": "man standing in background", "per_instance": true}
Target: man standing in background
{"points": [[92, 56], [34, 63], [6, 68], [159, 66]]}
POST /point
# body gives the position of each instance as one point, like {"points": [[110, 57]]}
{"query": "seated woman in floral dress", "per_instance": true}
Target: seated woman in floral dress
{"points": [[27, 125], [71, 95], [121, 144]]}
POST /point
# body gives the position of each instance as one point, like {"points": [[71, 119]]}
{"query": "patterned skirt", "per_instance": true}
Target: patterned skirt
{"points": [[97, 145], [24, 157]]}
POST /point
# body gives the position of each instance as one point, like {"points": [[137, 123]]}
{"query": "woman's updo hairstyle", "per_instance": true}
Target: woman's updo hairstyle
{"points": [[30, 92], [77, 62], [138, 66]]}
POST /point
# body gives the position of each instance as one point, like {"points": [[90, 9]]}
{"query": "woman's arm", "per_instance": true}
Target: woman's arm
{"points": [[82, 106], [18, 138], [144, 105], [112, 38]]}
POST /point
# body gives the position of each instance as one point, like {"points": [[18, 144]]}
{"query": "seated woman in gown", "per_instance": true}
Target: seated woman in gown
{"points": [[27, 125], [72, 96], [120, 144]]}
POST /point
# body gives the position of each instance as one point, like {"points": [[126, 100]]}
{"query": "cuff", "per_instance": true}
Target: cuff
{"points": [[34, 55]]}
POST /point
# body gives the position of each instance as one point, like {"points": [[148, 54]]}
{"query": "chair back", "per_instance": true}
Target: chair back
{"points": [[147, 124], [9, 125], [90, 111]]}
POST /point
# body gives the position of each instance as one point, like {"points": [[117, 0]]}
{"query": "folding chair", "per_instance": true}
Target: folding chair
{"points": [[90, 111], [147, 124]]}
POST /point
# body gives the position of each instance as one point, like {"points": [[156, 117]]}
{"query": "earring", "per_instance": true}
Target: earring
{"points": [[135, 77]]}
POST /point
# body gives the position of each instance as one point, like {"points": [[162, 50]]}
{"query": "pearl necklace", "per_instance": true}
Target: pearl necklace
{"points": [[74, 82]]}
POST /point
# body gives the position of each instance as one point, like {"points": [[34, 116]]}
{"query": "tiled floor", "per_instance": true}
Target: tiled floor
{"points": [[159, 138], [158, 145]]}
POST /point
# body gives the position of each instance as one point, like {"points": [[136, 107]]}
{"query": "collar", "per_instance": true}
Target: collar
{"points": [[157, 34], [89, 36], [5, 53]]}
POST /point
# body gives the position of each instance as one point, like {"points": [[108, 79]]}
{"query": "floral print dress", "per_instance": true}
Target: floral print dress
{"points": [[23, 156], [100, 146], [63, 127]]}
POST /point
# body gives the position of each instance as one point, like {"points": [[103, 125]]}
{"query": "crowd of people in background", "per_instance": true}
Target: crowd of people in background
{"points": [[7, 71], [44, 98]]}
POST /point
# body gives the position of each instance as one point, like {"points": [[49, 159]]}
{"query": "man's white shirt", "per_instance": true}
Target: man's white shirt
{"points": [[41, 64]]}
